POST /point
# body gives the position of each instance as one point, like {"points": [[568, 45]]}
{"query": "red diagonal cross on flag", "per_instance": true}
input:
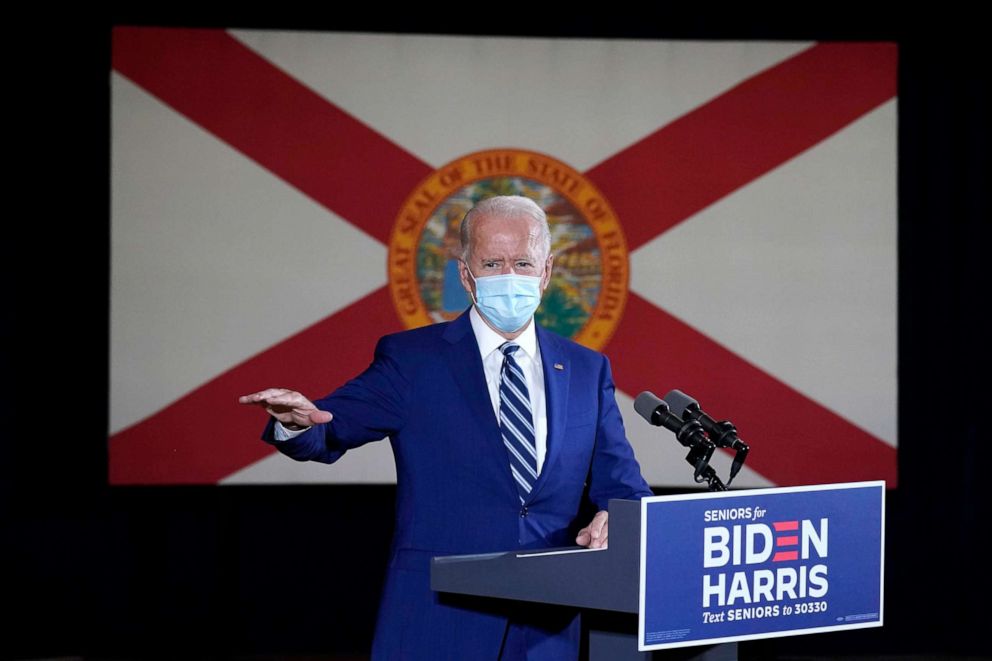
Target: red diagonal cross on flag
{"points": [[654, 184]]}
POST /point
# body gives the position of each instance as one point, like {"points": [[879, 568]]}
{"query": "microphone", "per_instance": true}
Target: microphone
{"points": [[688, 432], [658, 413], [723, 433]]}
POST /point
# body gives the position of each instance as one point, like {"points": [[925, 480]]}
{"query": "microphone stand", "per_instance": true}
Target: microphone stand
{"points": [[712, 480], [699, 457], [726, 437], [701, 450]]}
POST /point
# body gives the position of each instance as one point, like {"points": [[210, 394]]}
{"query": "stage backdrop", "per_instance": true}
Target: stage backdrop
{"points": [[723, 218]]}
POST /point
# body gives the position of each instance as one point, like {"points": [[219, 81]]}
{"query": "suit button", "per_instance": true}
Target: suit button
{"points": [[523, 512]]}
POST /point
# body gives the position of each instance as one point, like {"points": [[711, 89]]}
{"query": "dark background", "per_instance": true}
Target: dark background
{"points": [[240, 571]]}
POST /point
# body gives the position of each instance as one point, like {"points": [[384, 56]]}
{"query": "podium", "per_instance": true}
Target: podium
{"points": [[693, 574], [611, 600]]}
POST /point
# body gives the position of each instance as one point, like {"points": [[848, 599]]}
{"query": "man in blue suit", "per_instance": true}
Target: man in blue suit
{"points": [[500, 429]]}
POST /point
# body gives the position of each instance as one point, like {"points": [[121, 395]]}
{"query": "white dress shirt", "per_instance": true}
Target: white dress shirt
{"points": [[528, 357]]}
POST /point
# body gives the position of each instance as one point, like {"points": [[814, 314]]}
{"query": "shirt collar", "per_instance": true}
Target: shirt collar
{"points": [[489, 340]]}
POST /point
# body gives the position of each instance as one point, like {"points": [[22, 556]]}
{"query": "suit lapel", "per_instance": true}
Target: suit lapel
{"points": [[463, 359], [557, 375]]}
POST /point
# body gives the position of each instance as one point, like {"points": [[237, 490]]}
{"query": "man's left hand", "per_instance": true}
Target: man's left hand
{"points": [[595, 534]]}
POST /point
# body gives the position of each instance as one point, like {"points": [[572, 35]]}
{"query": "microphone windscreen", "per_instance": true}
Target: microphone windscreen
{"points": [[678, 402], [646, 404]]}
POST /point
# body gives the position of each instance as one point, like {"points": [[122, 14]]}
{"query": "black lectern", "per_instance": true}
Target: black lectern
{"points": [[552, 576]]}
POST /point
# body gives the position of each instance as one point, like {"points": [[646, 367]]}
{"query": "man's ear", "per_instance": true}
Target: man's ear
{"points": [[547, 272], [463, 275]]}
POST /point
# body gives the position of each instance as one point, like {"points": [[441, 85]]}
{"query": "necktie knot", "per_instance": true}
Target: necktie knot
{"points": [[509, 348]]}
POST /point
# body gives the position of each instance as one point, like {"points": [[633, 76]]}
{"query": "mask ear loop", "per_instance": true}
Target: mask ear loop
{"points": [[545, 287], [474, 282]]}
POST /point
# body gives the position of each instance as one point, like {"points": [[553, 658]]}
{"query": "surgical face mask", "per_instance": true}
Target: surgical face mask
{"points": [[508, 301]]}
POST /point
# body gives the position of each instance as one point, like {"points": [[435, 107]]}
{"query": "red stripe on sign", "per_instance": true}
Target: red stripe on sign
{"points": [[794, 440], [787, 541], [740, 135], [783, 556], [243, 99], [206, 435], [785, 525]]}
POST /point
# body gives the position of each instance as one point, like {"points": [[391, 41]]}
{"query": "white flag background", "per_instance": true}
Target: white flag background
{"points": [[257, 175]]}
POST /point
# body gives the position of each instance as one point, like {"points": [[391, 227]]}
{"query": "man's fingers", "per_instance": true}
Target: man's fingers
{"points": [[594, 535], [277, 397], [317, 416], [292, 400], [600, 539], [262, 395], [597, 527], [287, 405], [600, 532]]}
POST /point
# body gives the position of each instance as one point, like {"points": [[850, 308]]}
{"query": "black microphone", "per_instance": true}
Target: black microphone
{"points": [[688, 432], [722, 433]]}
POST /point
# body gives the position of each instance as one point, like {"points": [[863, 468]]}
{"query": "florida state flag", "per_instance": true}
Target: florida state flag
{"points": [[723, 218]]}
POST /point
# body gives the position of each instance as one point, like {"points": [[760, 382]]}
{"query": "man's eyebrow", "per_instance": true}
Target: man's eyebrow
{"points": [[517, 258]]}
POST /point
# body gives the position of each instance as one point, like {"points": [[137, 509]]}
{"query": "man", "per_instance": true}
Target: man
{"points": [[499, 428]]}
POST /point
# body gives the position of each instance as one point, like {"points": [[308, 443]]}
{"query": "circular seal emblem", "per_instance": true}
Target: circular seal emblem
{"points": [[588, 289]]}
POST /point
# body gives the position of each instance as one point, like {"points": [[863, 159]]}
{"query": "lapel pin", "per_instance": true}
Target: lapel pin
{"points": [[559, 366]]}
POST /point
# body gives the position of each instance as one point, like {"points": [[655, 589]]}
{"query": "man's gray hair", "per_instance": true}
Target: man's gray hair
{"points": [[506, 206]]}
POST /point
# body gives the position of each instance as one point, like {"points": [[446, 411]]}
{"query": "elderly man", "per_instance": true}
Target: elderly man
{"points": [[500, 430]]}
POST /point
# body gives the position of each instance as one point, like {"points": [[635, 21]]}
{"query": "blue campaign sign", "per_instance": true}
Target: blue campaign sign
{"points": [[739, 565]]}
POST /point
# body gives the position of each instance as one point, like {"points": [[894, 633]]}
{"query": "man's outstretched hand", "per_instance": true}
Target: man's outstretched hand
{"points": [[595, 534], [288, 407]]}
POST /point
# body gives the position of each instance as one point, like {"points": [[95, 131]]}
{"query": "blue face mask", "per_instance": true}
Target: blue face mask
{"points": [[508, 301]]}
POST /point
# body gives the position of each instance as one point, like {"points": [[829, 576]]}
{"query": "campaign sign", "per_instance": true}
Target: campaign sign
{"points": [[739, 565]]}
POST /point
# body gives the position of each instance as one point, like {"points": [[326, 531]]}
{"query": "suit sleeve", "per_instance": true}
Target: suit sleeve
{"points": [[615, 472], [367, 408]]}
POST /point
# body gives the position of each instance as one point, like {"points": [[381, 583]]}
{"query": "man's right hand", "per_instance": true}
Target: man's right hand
{"points": [[289, 407]]}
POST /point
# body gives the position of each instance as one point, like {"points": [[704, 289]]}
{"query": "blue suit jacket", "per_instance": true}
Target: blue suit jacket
{"points": [[426, 391]]}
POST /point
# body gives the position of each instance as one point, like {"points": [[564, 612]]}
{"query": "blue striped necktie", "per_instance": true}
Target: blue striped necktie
{"points": [[516, 421]]}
